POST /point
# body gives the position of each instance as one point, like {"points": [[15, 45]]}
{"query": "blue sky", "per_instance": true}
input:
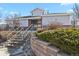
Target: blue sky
{"points": [[25, 8]]}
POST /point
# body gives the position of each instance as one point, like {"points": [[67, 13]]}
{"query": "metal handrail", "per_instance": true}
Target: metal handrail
{"points": [[11, 33], [23, 34], [27, 29], [16, 34]]}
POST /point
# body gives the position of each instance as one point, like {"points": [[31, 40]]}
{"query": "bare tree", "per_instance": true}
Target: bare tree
{"points": [[75, 15], [76, 10], [1, 13], [13, 18]]}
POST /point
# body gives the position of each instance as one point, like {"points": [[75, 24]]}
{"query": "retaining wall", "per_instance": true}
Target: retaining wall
{"points": [[41, 48]]}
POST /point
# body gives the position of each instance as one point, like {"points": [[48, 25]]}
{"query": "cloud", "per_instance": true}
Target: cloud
{"points": [[5, 11], [1, 8], [63, 4], [69, 11], [14, 12]]}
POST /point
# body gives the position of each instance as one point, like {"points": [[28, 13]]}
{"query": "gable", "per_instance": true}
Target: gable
{"points": [[37, 12]]}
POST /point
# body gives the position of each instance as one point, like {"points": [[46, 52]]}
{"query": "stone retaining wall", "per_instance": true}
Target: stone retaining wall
{"points": [[41, 48]]}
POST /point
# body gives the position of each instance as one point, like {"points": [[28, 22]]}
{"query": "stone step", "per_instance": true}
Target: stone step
{"points": [[16, 43], [13, 46], [18, 38], [17, 52], [13, 40], [20, 54]]}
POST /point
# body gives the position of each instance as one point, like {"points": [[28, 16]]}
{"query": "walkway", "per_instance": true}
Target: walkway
{"points": [[4, 51], [18, 45]]}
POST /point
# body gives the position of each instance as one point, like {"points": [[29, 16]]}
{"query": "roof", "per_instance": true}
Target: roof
{"points": [[57, 14], [28, 16], [50, 14], [31, 17]]}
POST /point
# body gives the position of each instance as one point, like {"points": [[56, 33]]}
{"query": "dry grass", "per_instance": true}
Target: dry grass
{"points": [[6, 34], [54, 25]]}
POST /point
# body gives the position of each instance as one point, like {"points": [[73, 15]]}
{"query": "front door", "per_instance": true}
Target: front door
{"points": [[35, 23]]}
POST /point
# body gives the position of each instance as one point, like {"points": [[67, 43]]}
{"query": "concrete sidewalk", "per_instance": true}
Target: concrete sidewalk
{"points": [[4, 51]]}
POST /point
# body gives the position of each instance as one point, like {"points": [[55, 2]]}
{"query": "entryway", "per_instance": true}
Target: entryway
{"points": [[37, 23]]}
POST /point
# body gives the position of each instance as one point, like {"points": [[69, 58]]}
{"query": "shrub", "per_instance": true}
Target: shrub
{"points": [[51, 26], [45, 36], [54, 25], [65, 39], [41, 30]]}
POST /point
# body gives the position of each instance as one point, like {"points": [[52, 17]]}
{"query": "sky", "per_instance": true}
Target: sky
{"points": [[24, 9]]}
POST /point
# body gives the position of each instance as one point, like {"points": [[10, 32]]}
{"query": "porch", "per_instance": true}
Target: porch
{"points": [[36, 22]]}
